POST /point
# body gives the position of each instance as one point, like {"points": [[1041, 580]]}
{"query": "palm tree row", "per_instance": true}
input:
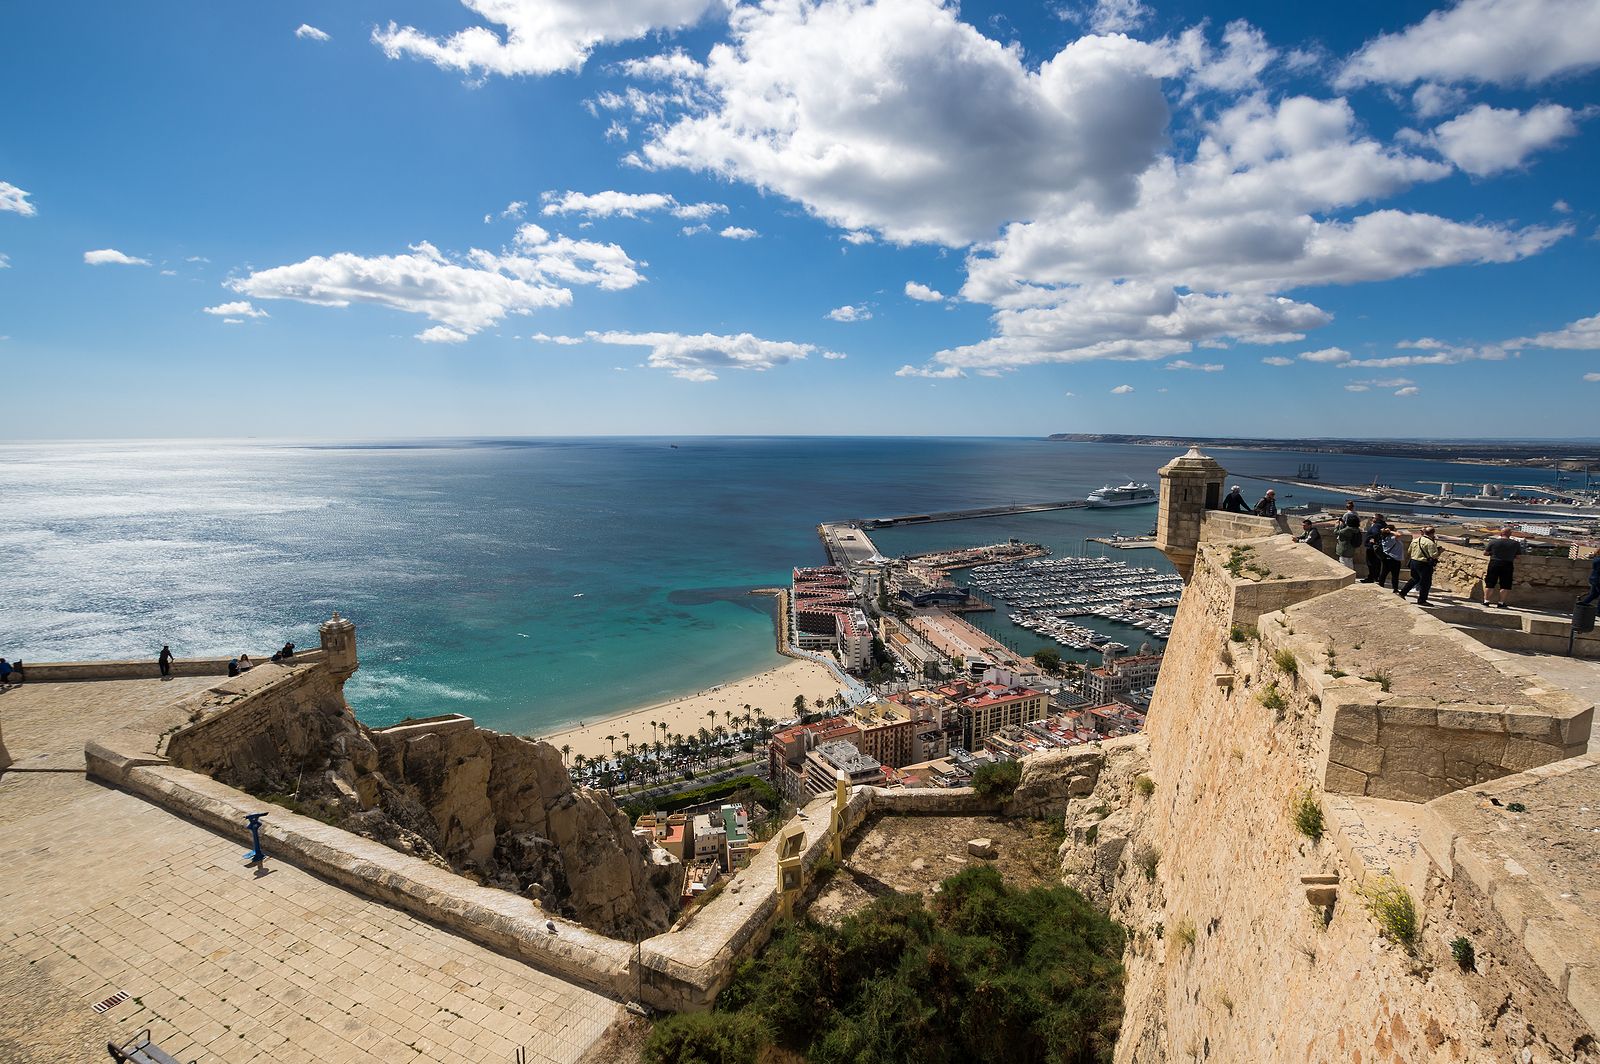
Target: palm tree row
{"points": [[671, 754]]}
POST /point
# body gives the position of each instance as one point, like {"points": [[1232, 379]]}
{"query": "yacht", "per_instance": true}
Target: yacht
{"points": [[1129, 494]]}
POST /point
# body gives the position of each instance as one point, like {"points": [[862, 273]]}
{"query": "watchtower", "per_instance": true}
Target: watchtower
{"points": [[339, 644], [1191, 484]]}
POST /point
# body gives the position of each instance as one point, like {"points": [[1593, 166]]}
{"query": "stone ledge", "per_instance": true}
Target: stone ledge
{"points": [[80, 671]]}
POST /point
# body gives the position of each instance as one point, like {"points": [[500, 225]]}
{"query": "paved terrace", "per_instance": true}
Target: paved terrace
{"points": [[101, 892]]}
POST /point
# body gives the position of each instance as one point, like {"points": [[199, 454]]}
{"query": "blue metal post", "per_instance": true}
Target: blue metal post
{"points": [[253, 822]]}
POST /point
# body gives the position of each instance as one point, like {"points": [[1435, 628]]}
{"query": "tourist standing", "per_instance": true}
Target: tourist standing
{"points": [[1394, 552], [1350, 519], [164, 662], [1347, 538], [1502, 551], [1423, 557], [1235, 503], [1372, 541], [1309, 535], [1268, 506], [1592, 597]]}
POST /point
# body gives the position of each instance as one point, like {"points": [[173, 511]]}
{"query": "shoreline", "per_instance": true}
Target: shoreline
{"points": [[770, 691]]}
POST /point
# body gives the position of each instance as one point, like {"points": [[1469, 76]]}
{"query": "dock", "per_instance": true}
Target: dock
{"points": [[969, 515]]}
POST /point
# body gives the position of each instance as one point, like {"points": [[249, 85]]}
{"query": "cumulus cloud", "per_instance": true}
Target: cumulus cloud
{"points": [[308, 32], [923, 294], [1498, 42], [5, 261], [1591, 377], [1431, 100], [738, 232], [538, 36], [1487, 140], [112, 257], [1408, 391], [514, 209], [238, 309], [564, 341], [1202, 367], [610, 204], [465, 293], [850, 312], [700, 358], [857, 237], [1331, 355], [1277, 360], [15, 200], [1108, 16], [942, 373], [1122, 389], [1581, 335], [442, 334], [1391, 382], [834, 356], [896, 116]]}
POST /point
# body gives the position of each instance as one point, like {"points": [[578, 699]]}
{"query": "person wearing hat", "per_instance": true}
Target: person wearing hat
{"points": [[1309, 535], [1423, 557], [1235, 503], [1268, 506]]}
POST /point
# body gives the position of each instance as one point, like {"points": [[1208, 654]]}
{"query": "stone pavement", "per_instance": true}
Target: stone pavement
{"points": [[101, 892]]}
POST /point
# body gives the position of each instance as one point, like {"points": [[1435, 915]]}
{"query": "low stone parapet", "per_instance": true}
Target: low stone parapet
{"points": [[146, 669]]}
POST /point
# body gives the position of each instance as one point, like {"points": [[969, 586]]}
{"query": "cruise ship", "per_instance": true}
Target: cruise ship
{"points": [[1130, 494]]}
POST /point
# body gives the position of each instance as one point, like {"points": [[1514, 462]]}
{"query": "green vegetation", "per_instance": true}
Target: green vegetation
{"points": [[1241, 633], [1391, 906], [1047, 659], [1286, 662], [1308, 815], [997, 780], [1380, 678], [1272, 698], [313, 808], [1184, 934], [987, 973], [1237, 557], [1466, 957], [1148, 859], [759, 791], [1144, 785]]}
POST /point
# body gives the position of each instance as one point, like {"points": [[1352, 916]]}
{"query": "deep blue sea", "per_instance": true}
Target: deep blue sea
{"points": [[459, 560]]}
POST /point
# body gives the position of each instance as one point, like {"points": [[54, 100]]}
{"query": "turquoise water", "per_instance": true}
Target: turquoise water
{"points": [[459, 560]]}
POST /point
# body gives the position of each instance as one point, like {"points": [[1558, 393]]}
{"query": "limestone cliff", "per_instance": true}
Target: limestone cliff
{"points": [[495, 807]]}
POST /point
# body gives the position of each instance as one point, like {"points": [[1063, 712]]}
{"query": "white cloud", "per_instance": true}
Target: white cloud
{"points": [[1278, 360], [605, 204], [5, 261], [1357, 387], [1408, 391], [1591, 377], [945, 373], [1070, 395], [308, 32], [857, 237], [849, 312], [834, 356], [466, 293], [112, 257], [1499, 42], [540, 36], [15, 200], [923, 294], [699, 358], [564, 341], [1331, 355], [442, 334], [1487, 140], [1389, 382], [738, 232], [515, 209], [239, 309], [1108, 16], [1431, 100], [1581, 335], [1561, 206], [897, 116], [697, 211], [1203, 367], [233, 321], [1122, 389], [695, 230]]}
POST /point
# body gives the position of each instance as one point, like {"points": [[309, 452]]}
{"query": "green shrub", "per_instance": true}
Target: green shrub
{"points": [[1144, 785], [986, 973], [998, 779], [1379, 678], [1241, 633], [1308, 815], [1147, 860], [706, 1038], [1396, 914], [1286, 662], [1184, 934], [760, 791], [1466, 957], [1272, 698]]}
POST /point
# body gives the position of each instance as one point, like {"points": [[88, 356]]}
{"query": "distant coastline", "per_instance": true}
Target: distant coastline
{"points": [[1538, 454]]}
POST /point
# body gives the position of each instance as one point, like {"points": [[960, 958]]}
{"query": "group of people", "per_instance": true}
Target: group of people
{"points": [[242, 663], [1386, 554], [1266, 506], [10, 672]]}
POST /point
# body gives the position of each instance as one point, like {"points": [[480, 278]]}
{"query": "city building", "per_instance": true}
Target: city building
{"points": [[710, 838], [887, 732], [787, 749], [826, 761], [984, 708], [1105, 683], [826, 617], [736, 833]]}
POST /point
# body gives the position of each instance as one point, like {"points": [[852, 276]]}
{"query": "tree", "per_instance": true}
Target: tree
{"points": [[800, 705], [1048, 659], [612, 739], [998, 779], [626, 745], [566, 749]]}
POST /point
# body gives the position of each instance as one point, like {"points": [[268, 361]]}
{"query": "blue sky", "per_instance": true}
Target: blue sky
{"points": [[392, 218]]}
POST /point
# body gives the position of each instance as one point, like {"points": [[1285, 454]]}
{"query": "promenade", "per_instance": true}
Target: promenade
{"points": [[101, 893]]}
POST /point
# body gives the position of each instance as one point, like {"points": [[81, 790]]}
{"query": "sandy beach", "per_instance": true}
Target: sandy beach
{"points": [[770, 693]]}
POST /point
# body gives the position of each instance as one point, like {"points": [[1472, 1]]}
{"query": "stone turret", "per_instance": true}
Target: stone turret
{"points": [[1190, 485], [339, 641]]}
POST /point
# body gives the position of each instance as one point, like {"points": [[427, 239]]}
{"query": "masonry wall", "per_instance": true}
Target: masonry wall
{"points": [[1547, 583]]}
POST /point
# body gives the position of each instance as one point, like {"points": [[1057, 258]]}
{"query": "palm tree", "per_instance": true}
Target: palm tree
{"points": [[566, 749], [626, 744], [612, 739]]}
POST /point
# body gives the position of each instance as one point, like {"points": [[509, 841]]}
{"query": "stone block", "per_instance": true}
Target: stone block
{"points": [[1470, 863], [1530, 722], [1519, 905], [1544, 940], [1583, 991], [1408, 714], [1341, 779], [983, 848], [1471, 719], [1522, 754], [1438, 840], [1358, 722], [1413, 750], [1406, 786], [1361, 756]]}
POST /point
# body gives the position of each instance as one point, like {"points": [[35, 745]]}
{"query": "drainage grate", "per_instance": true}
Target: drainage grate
{"points": [[111, 1002]]}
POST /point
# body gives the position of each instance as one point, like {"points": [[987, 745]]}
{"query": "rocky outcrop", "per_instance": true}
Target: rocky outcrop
{"points": [[495, 807]]}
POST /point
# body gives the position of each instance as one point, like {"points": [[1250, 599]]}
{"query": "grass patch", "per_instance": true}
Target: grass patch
{"points": [[1241, 633], [997, 780], [1184, 935], [1396, 914], [1144, 785], [1272, 698], [984, 972], [1148, 859], [1286, 662], [1380, 678], [1308, 815]]}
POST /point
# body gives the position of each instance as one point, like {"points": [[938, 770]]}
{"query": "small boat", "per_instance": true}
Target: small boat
{"points": [[578, 595]]}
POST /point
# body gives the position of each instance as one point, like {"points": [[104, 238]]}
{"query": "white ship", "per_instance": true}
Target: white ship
{"points": [[1130, 494]]}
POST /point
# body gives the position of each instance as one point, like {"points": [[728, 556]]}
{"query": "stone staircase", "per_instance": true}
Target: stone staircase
{"points": [[1527, 631]]}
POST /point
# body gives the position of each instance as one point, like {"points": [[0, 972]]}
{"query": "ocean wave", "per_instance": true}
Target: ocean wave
{"points": [[414, 687]]}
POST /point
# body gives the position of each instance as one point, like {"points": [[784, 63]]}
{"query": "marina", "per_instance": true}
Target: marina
{"points": [[1047, 596]]}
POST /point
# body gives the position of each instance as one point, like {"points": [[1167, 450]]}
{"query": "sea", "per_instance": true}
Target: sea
{"points": [[528, 583]]}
